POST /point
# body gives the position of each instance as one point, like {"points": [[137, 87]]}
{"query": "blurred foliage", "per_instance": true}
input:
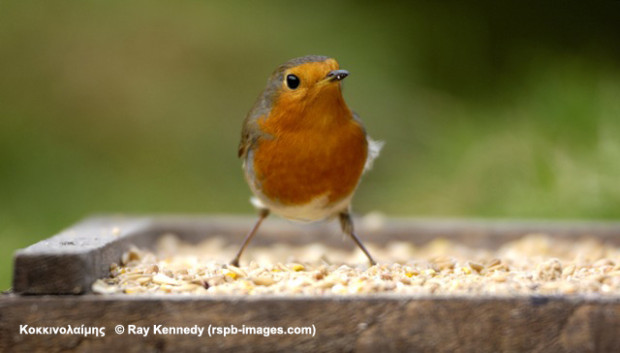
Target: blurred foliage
{"points": [[488, 110]]}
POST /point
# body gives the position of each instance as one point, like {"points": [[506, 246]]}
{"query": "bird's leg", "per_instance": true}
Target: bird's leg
{"points": [[263, 213], [347, 227]]}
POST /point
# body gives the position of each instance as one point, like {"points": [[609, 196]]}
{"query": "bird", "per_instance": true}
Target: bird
{"points": [[303, 150]]}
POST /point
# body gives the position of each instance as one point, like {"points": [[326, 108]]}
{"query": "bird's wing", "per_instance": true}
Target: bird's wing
{"points": [[374, 147], [251, 131], [247, 139]]}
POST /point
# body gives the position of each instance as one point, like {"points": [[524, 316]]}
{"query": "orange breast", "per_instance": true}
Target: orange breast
{"points": [[296, 166]]}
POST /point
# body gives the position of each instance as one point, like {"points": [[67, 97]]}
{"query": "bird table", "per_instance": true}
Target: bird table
{"points": [[52, 307]]}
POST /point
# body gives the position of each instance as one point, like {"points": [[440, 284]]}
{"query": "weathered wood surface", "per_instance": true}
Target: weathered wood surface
{"points": [[72, 260], [343, 324]]}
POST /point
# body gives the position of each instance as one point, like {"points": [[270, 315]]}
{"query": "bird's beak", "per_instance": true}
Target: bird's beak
{"points": [[336, 75]]}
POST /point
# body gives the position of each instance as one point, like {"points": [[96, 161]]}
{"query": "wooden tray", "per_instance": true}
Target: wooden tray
{"points": [[52, 282]]}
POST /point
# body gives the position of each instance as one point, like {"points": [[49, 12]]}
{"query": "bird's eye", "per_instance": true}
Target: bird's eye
{"points": [[292, 81]]}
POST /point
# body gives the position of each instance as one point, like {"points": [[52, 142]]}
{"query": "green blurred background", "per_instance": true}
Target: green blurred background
{"points": [[491, 110]]}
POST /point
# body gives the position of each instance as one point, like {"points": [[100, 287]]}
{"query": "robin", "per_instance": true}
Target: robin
{"points": [[303, 149]]}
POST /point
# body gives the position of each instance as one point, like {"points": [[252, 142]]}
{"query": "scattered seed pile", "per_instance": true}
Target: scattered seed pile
{"points": [[535, 264]]}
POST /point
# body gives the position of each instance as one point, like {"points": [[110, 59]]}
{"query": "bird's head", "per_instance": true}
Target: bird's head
{"points": [[307, 85]]}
